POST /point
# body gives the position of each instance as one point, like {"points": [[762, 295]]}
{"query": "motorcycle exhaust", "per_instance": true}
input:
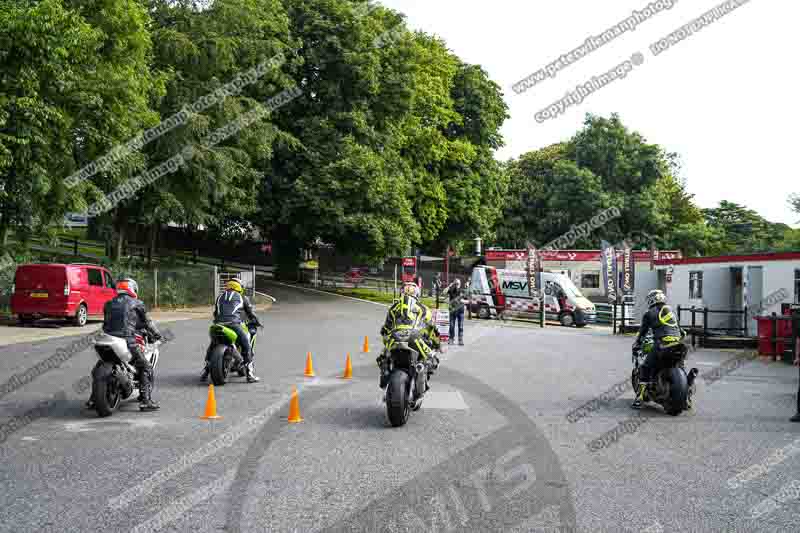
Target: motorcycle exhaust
{"points": [[125, 384]]}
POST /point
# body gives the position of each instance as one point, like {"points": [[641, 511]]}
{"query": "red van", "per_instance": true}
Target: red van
{"points": [[74, 291]]}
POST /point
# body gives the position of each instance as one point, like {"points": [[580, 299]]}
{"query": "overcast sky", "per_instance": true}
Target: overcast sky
{"points": [[723, 98]]}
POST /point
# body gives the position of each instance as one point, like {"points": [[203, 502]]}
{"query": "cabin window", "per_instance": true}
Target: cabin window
{"points": [[590, 280], [695, 285], [797, 286]]}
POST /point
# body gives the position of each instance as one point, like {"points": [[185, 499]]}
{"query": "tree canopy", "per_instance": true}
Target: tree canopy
{"points": [[387, 143]]}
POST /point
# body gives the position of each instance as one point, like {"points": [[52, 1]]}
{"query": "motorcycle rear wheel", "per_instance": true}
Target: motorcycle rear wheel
{"points": [[678, 391], [216, 364], [106, 396]]}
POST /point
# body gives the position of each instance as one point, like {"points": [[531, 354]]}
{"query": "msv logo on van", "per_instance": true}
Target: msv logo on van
{"points": [[515, 285]]}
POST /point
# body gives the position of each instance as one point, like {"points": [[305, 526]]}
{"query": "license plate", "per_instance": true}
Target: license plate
{"points": [[38, 295]]}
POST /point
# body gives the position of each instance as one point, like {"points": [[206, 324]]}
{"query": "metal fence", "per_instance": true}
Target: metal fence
{"points": [[173, 288]]}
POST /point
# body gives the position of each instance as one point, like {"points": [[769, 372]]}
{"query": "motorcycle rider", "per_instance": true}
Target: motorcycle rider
{"points": [[125, 316], [227, 310], [409, 313], [667, 336]]}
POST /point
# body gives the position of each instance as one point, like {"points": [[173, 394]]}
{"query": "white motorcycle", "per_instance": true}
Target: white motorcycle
{"points": [[114, 378]]}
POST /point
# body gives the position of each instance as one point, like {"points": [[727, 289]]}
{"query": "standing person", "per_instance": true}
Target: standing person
{"points": [[456, 303], [437, 285]]}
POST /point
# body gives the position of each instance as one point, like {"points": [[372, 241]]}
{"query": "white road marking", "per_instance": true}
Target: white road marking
{"points": [[267, 295], [228, 438], [77, 427], [444, 400], [30, 438], [328, 293], [144, 423], [705, 363], [176, 509]]}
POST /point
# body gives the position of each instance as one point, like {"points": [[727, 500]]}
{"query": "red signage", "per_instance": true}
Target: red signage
{"points": [[570, 255], [409, 261]]}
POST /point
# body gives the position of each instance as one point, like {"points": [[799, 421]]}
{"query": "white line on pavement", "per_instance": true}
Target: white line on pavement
{"points": [[187, 461], [328, 293], [177, 509], [445, 400], [267, 295]]}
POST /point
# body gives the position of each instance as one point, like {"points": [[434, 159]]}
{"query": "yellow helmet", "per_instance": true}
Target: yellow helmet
{"points": [[235, 284]]}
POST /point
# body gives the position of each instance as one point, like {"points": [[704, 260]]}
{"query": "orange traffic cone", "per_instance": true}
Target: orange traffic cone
{"points": [[211, 404], [348, 368], [294, 408], [309, 366], [366, 344]]}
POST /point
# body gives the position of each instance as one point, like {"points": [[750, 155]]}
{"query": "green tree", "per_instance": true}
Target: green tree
{"points": [[47, 52], [603, 165], [742, 230], [394, 137]]}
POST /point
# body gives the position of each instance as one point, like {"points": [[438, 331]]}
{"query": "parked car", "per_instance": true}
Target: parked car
{"points": [[76, 291]]}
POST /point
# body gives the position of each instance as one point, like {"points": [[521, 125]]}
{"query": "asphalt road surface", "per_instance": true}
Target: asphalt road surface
{"points": [[491, 449]]}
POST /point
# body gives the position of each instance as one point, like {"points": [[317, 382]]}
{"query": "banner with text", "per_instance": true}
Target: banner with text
{"points": [[608, 256], [628, 273], [534, 269]]}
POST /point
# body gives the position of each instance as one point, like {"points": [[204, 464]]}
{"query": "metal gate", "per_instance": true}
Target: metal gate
{"points": [[248, 280]]}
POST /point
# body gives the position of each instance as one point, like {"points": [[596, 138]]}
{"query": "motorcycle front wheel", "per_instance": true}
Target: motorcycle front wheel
{"points": [[397, 407]]}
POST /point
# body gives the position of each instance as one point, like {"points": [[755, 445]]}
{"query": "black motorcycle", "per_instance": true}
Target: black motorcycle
{"points": [[408, 376], [673, 388], [222, 356]]}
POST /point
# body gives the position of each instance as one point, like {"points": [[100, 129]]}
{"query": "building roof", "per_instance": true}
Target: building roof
{"points": [[742, 258]]}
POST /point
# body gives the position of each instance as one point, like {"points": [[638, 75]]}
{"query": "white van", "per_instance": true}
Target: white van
{"points": [[494, 290]]}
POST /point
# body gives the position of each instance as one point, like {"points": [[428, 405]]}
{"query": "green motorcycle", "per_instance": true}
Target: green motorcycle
{"points": [[223, 355]]}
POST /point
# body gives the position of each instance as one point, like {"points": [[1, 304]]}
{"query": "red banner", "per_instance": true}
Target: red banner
{"points": [[571, 255]]}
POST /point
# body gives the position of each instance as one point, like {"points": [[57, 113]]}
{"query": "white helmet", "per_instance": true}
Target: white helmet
{"points": [[656, 297]]}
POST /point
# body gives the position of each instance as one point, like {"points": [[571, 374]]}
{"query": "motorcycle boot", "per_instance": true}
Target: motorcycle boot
{"points": [[248, 372], [206, 368], [146, 403], [384, 369], [637, 403]]}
